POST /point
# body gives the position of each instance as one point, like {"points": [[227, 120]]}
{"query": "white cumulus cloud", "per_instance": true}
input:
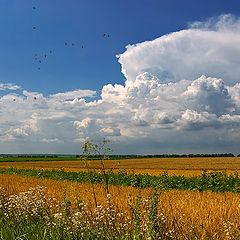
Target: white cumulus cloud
{"points": [[181, 94]]}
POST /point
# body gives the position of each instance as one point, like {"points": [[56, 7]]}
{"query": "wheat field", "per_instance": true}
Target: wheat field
{"points": [[206, 212], [206, 215], [152, 166]]}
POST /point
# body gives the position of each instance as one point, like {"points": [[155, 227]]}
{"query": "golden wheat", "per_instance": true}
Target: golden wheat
{"points": [[153, 166], [210, 213]]}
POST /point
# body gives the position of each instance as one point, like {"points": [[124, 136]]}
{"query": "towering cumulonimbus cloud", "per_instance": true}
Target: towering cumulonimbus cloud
{"points": [[181, 94], [209, 48]]}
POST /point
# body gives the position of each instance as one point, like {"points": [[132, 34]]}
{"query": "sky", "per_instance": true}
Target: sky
{"points": [[150, 76]]}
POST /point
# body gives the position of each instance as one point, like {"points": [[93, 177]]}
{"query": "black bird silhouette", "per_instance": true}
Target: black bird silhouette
{"points": [[73, 44], [14, 99], [45, 55], [34, 28], [65, 43], [50, 51], [106, 35], [82, 46], [34, 8], [35, 98]]}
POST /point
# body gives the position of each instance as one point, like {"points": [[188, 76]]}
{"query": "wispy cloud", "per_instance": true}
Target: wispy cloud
{"points": [[9, 86]]}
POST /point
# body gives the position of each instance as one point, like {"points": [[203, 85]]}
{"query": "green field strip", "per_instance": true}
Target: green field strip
{"points": [[214, 181]]}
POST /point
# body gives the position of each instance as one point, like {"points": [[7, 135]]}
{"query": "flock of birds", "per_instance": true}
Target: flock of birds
{"points": [[39, 58]]}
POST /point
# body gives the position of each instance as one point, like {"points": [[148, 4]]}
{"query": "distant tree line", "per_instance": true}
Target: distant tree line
{"points": [[112, 157], [129, 156], [28, 156]]}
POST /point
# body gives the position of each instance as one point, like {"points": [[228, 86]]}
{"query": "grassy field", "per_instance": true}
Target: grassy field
{"points": [[153, 166]]}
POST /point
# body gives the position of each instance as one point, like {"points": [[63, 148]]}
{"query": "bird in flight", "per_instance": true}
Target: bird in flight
{"points": [[35, 98], [34, 28], [106, 35]]}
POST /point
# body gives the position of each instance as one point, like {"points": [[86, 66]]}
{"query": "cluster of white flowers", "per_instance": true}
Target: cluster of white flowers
{"points": [[110, 218], [33, 203]]}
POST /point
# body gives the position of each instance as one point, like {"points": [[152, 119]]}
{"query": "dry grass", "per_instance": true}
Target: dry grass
{"points": [[153, 166], [192, 211]]}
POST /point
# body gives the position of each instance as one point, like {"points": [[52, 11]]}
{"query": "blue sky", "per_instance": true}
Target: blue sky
{"points": [[165, 80], [84, 23]]}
